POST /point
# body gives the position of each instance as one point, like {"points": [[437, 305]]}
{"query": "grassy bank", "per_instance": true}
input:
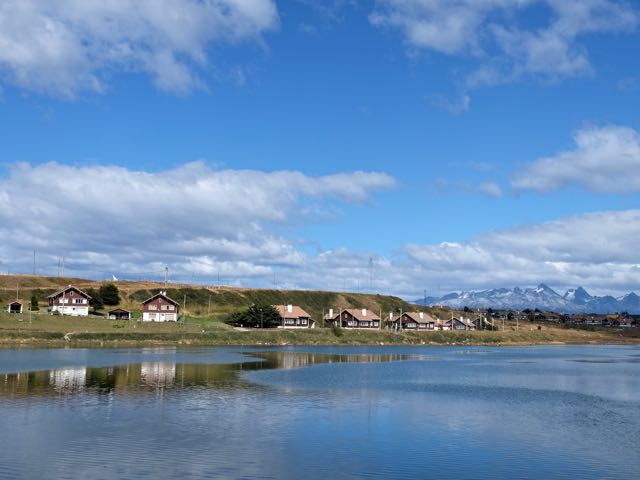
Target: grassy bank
{"points": [[47, 330]]}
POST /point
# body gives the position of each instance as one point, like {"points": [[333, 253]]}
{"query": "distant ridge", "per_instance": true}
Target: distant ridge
{"points": [[575, 300]]}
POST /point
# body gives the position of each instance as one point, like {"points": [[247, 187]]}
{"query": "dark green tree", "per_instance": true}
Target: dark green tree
{"points": [[96, 299], [256, 316], [110, 294], [34, 302]]}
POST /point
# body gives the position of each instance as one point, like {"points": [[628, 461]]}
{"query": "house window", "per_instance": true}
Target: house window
{"points": [[351, 323], [303, 321], [167, 307], [153, 307], [411, 325], [289, 321], [78, 300], [375, 324], [364, 324]]}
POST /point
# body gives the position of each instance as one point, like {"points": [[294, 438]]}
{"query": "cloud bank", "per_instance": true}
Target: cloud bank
{"points": [[197, 219], [63, 47]]}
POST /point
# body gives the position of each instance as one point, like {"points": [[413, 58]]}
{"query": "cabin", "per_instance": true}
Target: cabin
{"points": [[119, 314], [294, 316], [414, 321], [353, 318], [160, 308], [14, 307], [458, 324], [69, 301]]}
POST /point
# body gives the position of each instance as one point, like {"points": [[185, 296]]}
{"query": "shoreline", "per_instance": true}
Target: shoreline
{"points": [[398, 341]]}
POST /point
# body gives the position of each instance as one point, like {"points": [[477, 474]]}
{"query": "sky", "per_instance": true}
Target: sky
{"points": [[391, 146]]}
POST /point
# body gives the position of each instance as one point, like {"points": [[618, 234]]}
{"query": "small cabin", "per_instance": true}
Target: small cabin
{"points": [[293, 316], [15, 307], [160, 308], [359, 318], [119, 314], [414, 321], [70, 301], [458, 324]]}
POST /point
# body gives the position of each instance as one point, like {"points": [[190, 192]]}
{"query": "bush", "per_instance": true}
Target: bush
{"points": [[337, 331]]}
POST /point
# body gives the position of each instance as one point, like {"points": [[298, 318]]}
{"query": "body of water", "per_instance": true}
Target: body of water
{"points": [[321, 412]]}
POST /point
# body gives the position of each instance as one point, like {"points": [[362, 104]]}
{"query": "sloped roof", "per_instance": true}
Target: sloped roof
{"points": [[296, 311], [160, 294], [118, 310], [415, 316], [357, 314], [66, 289]]}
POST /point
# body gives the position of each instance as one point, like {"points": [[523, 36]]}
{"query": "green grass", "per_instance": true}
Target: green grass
{"points": [[47, 329]]}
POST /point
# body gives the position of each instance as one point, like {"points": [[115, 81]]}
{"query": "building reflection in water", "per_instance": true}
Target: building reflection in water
{"points": [[158, 374], [141, 377], [68, 379]]}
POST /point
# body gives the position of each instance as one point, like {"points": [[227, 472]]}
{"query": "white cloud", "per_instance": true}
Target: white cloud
{"points": [[594, 250], [63, 47], [490, 31], [605, 159], [490, 188], [200, 220]]}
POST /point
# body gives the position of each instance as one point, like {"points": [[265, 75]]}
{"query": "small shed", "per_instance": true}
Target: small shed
{"points": [[15, 307], [119, 314]]}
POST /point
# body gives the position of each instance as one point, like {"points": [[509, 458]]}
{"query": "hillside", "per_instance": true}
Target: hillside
{"points": [[202, 300]]}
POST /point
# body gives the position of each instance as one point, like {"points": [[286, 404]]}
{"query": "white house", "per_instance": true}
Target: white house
{"points": [[70, 301]]}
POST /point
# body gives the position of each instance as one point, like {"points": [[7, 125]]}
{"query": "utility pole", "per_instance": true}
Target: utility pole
{"points": [[209, 306], [34, 262]]}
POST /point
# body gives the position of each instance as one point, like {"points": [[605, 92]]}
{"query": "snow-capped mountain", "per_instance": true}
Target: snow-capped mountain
{"points": [[542, 297]]}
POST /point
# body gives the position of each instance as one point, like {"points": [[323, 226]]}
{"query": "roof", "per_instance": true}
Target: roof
{"points": [[296, 311], [118, 310], [66, 289], [357, 314], [160, 294], [16, 302], [415, 316]]}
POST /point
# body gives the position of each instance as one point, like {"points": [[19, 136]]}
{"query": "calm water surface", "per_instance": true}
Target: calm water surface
{"points": [[307, 413]]}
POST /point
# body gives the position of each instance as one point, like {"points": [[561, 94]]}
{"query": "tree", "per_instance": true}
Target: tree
{"points": [[467, 309], [256, 316], [34, 302], [109, 294], [96, 299]]}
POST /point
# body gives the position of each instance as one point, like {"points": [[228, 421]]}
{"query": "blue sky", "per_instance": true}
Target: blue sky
{"points": [[460, 144]]}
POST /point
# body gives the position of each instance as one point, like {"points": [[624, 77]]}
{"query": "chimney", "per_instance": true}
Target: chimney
{"points": [[421, 315], [289, 308], [331, 313], [364, 312], [390, 315]]}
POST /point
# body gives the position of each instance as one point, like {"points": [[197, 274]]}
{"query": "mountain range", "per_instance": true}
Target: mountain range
{"points": [[576, 300]]}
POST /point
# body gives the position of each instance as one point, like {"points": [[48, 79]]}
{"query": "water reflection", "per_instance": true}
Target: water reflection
{"points": [[145, 376]]}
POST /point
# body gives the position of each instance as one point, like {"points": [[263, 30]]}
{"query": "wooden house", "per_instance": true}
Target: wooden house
{"points": [[294, 316], [69, 301], [414, 321], [160, 308], [353, 318], [119, 314], [15, 307], [455, 323]]}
